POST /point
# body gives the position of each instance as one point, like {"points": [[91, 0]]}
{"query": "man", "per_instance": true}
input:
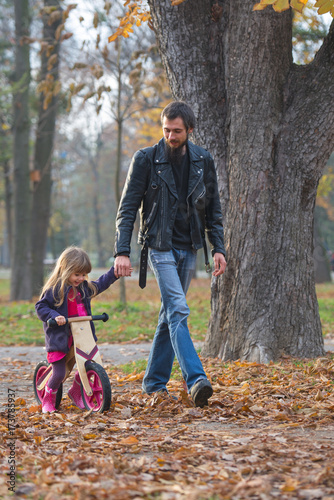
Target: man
{"points": [[174, 183]]}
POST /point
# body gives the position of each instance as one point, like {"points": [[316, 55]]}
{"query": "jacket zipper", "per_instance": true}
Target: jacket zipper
{"points": [[202, 194], [151, 213]]}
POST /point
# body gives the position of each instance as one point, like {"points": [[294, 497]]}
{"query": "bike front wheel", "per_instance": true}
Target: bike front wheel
{"points": [[99, 382]]}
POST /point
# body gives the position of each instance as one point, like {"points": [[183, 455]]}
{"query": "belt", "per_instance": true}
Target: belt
{"points": [[143, 265]]}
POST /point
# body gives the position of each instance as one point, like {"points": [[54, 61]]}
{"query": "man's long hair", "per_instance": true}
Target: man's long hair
{"points": [[179, 109]]}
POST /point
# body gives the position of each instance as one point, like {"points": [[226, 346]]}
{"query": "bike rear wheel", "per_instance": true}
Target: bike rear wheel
{"points": [[99, 381], [40, 370]]}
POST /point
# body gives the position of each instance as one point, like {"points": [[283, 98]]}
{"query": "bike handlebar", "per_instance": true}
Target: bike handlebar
{"points": [[103, 317]]}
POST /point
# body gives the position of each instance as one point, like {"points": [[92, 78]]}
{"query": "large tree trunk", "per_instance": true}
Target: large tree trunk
{"points": [[20, 258], [269, 126], [41, 205]]}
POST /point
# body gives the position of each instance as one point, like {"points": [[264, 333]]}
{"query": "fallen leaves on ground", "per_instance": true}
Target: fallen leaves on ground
{"points": [[267, 433]]}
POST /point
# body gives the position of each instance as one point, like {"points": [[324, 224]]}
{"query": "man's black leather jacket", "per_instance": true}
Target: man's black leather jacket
{"points": [[150, 185]]}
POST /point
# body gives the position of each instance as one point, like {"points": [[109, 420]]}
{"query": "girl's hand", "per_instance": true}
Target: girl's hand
{"points": [[60, 320]]}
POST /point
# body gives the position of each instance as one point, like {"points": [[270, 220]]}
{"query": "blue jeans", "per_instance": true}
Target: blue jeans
{"points": [[173, 270]]}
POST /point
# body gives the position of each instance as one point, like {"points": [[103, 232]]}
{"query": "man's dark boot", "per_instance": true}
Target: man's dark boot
{"points": [[200, 392]]}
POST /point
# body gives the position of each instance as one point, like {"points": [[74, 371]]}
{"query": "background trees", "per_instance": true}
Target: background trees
{"points": [[69, 176]]}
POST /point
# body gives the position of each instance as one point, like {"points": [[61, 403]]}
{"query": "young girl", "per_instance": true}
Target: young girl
{"points": [[67, 293]]}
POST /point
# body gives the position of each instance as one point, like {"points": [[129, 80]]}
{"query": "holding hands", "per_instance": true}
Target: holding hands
{"points": [[122, 266]]}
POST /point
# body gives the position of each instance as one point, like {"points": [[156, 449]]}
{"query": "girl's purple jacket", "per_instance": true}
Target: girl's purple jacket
{"points": [[56, 338]]}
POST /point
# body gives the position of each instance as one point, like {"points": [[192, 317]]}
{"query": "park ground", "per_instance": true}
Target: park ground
{"points": [[267, 433]]}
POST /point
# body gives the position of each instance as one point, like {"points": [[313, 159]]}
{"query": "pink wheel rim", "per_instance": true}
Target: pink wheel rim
{"points": [[39, 375], [95, 400]]}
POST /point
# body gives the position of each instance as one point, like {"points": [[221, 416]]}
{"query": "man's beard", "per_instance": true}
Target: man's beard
{"points": [[175, 155]]}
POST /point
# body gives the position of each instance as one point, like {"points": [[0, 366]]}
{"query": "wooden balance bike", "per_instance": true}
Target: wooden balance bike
{"points": [[95, 384]]}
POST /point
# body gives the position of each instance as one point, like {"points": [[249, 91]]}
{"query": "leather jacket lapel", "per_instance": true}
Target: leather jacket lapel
{"points": [[164, 168], [195, 169]]}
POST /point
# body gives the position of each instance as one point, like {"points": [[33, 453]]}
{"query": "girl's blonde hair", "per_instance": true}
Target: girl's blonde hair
{"points": [[72, 260]]}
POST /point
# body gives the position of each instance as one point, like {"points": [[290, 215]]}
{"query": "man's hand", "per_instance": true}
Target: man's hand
{"points": [[122, 266], [220, 264]]}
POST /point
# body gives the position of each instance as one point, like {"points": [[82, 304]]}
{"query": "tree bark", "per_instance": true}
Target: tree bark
{"points": [[269, 125], [20, 258], [41, 205]]}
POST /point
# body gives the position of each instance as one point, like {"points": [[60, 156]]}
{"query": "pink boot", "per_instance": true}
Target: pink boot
{"points": [[75, 392], [49, 400]]}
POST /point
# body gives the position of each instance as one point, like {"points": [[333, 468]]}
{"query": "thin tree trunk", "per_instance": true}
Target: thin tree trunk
{"points": [[270, 128], [20, 258], [119, 121], [8, 205], [41, 205], [94, 162]]}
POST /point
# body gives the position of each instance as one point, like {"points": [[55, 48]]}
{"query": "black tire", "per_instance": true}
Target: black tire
{"points": [[99, 381], [39, 370]]}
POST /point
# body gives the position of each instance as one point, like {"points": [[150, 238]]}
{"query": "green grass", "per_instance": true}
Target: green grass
{"points": [[140, 366], [19, 324], [4, 288], [326, 311], [135, 366]]}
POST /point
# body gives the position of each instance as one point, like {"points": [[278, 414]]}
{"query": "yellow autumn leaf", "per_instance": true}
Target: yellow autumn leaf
{"points": [[89, 436], [325, 7], [320, 3], [281, 5], [289, 485], [113, 37], [34, 408], [20, 401], [298, 5], [129, 441], [263, 4]]}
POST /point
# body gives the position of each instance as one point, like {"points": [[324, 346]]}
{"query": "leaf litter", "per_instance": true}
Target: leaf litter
{"points": [[267, 433]]}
